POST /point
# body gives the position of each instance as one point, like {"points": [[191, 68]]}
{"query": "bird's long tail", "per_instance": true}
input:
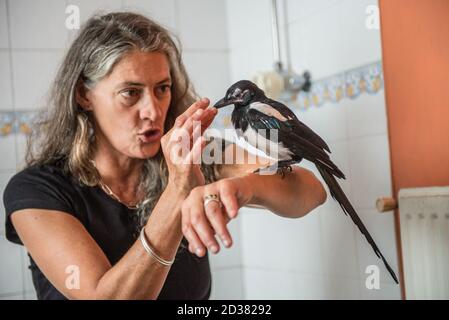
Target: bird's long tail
{"points": [[338, 194]]}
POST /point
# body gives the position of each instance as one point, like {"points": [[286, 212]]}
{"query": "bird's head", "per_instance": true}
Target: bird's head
{"points": [[241, 94]]}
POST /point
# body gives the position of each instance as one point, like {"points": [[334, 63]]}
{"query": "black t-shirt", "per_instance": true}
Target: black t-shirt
{"points": [[110, 223]]}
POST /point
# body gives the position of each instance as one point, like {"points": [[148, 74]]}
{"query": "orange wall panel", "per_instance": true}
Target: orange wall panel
{"points": [[415, 42], [415, 49]]}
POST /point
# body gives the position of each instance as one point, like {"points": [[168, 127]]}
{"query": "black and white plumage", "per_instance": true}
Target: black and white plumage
{"points": [[254, 113]]}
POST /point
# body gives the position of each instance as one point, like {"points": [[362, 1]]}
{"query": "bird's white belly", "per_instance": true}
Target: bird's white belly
{"points": [[271, 148]]}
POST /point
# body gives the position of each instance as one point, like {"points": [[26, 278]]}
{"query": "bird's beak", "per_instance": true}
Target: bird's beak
{"points": [[224, 102]]}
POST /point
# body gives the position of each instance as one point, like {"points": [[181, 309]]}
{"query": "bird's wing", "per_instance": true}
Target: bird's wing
{"points": [[261, 117], [299, 127]]}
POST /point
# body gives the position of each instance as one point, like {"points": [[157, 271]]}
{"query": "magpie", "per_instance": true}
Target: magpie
{"points": [[255, 116]]}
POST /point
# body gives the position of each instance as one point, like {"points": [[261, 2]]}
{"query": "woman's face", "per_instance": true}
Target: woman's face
{"points": [[130, 104]]}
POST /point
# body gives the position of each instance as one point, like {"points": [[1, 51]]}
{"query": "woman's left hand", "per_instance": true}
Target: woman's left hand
{"points": [[201, 223]]}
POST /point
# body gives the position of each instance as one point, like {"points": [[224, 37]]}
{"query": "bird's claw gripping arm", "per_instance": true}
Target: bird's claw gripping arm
{"points": [[281, 168]]}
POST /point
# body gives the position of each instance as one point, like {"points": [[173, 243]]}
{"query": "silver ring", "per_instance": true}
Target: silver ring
{"points": [[212, 198]]}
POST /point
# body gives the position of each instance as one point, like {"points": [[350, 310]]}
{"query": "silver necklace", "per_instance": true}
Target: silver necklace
{"points": [[110, 193]]}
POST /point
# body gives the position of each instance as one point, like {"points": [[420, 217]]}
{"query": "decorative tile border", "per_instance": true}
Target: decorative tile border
{"points": [[15, 122], [349, 84]]}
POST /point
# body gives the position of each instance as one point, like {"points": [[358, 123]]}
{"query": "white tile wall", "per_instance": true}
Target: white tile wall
{"points": [[5, 81], [359, 45], [4, 178], [86, 10], [339, 247], [4, 37], [298, 60], [333, 38], [202, 24], [21, 143], [229, 257], [31, 295], [8, 148], [248, 22], [37, 24], [209, 71], [341, 288], [318, 35], [11, 278], [271, 284], [370, 169], [33, 73], [299, 10], [276, 243], [227, 284], [28, 286], [246, 60], [366, 115], [89, 8], [385, 292], [329, 121], [18, 296], [163, 11]]}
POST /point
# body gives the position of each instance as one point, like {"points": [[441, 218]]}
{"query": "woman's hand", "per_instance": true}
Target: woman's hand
{"points": [[200, 224], [183, 144]]}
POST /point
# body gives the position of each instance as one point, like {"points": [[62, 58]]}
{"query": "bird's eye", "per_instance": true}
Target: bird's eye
{"points": [[236, 93]]}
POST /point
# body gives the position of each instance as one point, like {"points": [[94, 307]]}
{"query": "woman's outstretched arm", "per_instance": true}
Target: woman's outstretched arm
{"points": [[293, 196]]}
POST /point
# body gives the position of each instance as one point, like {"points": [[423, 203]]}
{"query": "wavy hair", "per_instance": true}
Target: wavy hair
{"points": [[64, 130]]}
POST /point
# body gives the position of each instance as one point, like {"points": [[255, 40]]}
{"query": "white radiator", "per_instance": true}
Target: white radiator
{"points": [[424, 219]]}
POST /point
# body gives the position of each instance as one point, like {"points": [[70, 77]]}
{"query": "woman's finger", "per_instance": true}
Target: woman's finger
{"points": [[229, 201], [225, 214], [194, 156], [204, 118], [193, 127], [200, 104], [195, 244], [191, 124], [201, 118], [208, 118], [201, 225], [218, 222], [187, 149]]}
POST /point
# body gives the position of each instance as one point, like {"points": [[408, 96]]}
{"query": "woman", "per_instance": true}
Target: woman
{"points": [[102, 159]]}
